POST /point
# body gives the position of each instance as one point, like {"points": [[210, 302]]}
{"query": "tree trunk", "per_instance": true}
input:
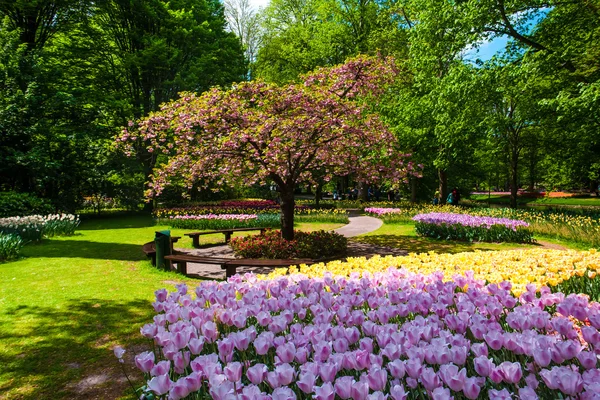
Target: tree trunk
{"points": [[363, 191], [413, 190], [318, 194], [443, 185], [287, 212], [514, 177]]}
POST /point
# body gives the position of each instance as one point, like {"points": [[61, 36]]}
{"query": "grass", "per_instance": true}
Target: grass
{"points": [[72, 299], [403, 236], [584, 201]]}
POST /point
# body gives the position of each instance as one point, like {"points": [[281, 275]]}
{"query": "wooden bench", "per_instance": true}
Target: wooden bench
{"points": [[227, 232], [230, 267], [229, 264], [181, 260], [150, 248]]}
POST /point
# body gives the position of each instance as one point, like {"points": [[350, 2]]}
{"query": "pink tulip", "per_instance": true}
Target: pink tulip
{"points": [[179, 390], [377, 378], [145, 361], [441, 393], [343, 387], [286, 352], [257, 373], [306, 383], [511, 372], [483, 365], [160, 384], [398, 393], [233, 371], [471, 388], [285, 374], [161, 368], [452, 377], [499, 394], [360, 390], [283, 393]]}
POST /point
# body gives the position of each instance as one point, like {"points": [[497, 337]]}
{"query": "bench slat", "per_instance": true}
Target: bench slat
{"points": [[227, 232]]}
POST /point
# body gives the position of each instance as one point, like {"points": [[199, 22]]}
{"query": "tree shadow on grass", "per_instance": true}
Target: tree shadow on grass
{"points": [[85, 249], [138, 221], [65, 353], [413, 244]]}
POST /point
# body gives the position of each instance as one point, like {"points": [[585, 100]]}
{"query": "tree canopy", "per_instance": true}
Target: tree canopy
{"points": [[288, 134]]}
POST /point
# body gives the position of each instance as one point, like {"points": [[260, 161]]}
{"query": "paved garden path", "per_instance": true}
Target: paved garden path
{"points": [[359, 225]]}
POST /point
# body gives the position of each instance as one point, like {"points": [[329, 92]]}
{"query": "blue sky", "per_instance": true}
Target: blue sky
{"points": [[488, 49]]}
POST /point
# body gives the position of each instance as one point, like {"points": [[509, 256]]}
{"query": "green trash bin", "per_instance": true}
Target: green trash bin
{"points": [[162, 243]]}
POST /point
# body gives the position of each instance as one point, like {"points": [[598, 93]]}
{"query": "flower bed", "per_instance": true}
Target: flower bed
{"points": [[578, 224], [569, 271], [471, 228], [394, 334], [318, 244], [222, 221], [10, 246], [33, 227]]}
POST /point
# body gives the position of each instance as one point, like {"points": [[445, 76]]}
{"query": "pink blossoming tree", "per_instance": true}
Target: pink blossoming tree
{"points": [[293, 134]]}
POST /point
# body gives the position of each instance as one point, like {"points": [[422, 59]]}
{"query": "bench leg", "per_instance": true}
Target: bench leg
{"points": [[196, 241], [229, 271], [153, 259], [262, 231], [182, 268], [227, 236]]}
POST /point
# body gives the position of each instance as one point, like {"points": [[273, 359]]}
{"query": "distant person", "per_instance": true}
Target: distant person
{"points": [[377, 194], [455, 197], [370, 194], [390, 195], [436, 198]]}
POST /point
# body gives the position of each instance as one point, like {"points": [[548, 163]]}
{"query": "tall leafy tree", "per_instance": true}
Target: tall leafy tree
{"points": [[290, 134]]}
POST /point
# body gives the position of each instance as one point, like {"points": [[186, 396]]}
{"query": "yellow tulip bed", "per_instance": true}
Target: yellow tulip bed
{"points": [[566, 270]]}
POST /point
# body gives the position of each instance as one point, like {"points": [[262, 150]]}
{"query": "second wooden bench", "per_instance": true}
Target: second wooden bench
{"points": [[227, 232]]}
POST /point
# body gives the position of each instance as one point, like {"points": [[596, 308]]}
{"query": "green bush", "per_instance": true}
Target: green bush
{"points": [[495, 233], [10, 246], [13, 204], [319, 244]]}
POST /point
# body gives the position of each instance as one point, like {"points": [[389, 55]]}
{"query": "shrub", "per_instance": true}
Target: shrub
{"points": [[319, 244], [472, 229], [222, 221], [13, 204], [10, 246]]}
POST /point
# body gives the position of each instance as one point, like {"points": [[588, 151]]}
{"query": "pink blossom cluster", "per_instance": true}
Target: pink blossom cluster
{"points": [[393, 335], [226, 217], [382, 211], [468, 220]]}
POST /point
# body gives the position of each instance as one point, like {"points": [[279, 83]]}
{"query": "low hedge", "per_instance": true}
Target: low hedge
{"points": [[14, 203], [318, 244]]}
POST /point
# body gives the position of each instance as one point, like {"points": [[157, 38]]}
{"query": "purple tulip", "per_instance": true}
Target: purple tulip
{"points": [[377, 378], [398, 393], [360, 390], [193, 382], [499, 394], [511, 372], [494, 339], [441, 393], [306, 383], [483, 365], [161, 368], [145, 361], [233, 371], [160, 384], [343, 387], [430, 379], [527, 393], [452, 377], [283, 393], [222, 391], [324, 392], [328, 371], [285, 374], [471, 388], [397, 369], [179, 389]]}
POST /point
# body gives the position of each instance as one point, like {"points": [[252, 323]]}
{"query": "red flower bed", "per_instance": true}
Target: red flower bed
{"points": [[319, 244]]}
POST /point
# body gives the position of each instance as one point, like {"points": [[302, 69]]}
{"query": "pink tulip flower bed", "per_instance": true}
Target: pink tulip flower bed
{"points": [[394, 335]]}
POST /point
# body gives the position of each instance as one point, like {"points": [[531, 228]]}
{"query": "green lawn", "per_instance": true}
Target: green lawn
{"points": [[584, 201], [70, 300], [403, 236]]}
